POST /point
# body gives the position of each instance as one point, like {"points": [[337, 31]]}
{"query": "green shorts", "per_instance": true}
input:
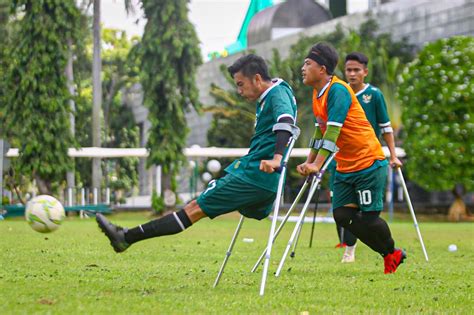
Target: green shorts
{"points": [[365, 189], [230, 193]]}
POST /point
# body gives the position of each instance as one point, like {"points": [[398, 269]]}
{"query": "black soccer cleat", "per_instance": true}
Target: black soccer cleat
{"points": [[116, 234]]}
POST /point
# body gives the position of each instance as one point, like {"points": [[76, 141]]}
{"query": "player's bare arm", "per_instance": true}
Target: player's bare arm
{"points": [[390, 141]]}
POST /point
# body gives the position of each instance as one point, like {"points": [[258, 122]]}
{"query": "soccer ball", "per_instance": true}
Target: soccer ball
{"points": [[44, 213]]}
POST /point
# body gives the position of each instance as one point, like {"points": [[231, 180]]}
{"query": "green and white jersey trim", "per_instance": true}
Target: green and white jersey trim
{"points": [[275, 82], [334, 123], [286, 115], [372, 101], [386, 127], [366, 86], [324, 88]]}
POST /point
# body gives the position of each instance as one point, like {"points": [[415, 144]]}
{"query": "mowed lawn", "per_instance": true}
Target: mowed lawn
{"points": [[75, 271]]}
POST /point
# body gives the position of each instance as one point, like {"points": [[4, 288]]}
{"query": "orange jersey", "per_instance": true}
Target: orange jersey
{"points": [[357, 143]]}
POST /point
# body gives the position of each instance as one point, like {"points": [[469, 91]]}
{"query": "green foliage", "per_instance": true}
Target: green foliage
{"points": [[437, 90], [5, 200], [36, 108], [157, 202], [119, 130], [229, 108], [119, 73], [169, 56], [3, 48], [74, 270]]}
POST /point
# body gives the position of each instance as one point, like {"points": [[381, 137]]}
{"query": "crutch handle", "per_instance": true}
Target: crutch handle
{"points": [[280, 168], [318, 175]]}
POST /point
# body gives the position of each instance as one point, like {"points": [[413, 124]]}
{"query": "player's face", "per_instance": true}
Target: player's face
{"points": [[312, 72], [247, 87], [355, 72]]}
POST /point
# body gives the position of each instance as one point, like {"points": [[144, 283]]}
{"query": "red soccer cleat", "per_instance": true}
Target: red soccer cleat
{"points": [[341, 245], [393, 260]]}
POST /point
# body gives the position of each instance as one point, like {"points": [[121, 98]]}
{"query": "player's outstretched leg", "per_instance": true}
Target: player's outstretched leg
{"points": [[176, 222]]}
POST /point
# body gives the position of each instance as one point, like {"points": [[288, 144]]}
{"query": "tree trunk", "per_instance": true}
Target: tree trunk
{"points": [[97, 96], [457, 211], [44, 187], [70, 84]]}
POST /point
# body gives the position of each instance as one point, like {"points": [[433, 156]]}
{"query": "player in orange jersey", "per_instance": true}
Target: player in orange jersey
{"points": [[359, 180]]}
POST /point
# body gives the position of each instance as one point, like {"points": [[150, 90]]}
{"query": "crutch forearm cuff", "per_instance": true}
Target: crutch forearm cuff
{"points": [[291, 128], [328, 145]]}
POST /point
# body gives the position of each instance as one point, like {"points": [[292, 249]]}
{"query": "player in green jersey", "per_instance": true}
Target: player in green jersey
{"points": [[375, 108], [250, 184]]}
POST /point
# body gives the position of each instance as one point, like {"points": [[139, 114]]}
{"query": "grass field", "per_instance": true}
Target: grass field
{"points": [[75, 271]]}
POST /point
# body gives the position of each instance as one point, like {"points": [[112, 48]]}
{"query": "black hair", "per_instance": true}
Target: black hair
{"points": [[326, 54], [359, 57], [250, 65]]}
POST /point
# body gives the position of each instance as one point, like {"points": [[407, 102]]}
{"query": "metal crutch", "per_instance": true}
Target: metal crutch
{"points": [[316, 203], [281, 182], [285, 219], [229, 251], [410, 206], [293, 252], [303, 212]]}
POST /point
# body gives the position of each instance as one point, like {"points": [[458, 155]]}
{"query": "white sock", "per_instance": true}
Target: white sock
{"points": [[350, 250]]}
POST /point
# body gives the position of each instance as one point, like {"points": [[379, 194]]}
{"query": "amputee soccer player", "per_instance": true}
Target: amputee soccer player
{"points": [[250, 184], [361, 165], [375, 108]]}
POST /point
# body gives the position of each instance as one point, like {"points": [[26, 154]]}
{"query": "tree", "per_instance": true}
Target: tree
{"points": [[37, 108], [119, 73], [169, 56], [118, 130], [437, 90], [4, 44]]}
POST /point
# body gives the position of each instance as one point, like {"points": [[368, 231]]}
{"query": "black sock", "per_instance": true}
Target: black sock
{"points": [[349, 238], [345, 236], [339, 234], [170, 224], [348, 218], [379, 230]]}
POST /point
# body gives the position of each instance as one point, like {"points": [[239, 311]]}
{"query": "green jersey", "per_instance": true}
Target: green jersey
{"points": [[375, 108], [276, 102]]}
